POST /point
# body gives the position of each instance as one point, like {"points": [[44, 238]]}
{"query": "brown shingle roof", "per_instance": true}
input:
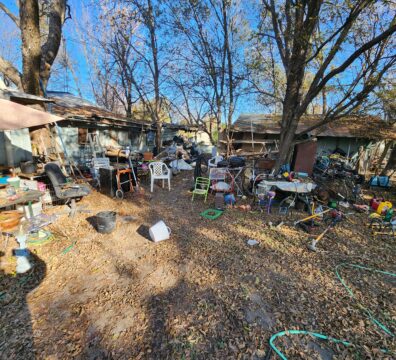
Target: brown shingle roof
{"points": [[74, 108], [369, 127]]}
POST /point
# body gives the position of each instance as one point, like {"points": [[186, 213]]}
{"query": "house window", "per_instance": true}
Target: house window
{"points": [[83, 133]]}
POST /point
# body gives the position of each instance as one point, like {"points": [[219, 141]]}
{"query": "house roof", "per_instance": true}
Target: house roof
{"points": [[77, 109], [21, 97], [369, 127], [15, 116]]}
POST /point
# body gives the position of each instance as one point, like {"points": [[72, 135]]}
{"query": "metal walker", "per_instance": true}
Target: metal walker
{"points": [[121, 171]]}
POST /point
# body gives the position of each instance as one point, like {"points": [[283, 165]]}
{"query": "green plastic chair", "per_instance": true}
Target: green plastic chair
{"points": [[201, 187]]}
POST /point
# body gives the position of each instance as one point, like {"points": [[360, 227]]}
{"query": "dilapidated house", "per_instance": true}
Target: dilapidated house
{"points": [[85, 120], [252, 132], [83, 123]]}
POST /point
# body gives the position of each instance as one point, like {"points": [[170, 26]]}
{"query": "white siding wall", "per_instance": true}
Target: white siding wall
{"points": [[15, 146]]}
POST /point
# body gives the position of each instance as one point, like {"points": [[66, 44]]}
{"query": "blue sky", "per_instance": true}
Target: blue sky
{"points": [[10, 48]]}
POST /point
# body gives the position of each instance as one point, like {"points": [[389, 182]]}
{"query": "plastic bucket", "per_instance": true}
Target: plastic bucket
{"points": [[14, 181], [105, 221], [159, 231]]}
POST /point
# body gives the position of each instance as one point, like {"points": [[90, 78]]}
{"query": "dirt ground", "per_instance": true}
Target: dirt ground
{"points": [[203, 294]]}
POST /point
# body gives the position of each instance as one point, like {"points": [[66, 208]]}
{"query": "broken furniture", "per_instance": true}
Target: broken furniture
{"points": [[201, 187], [159, 171], [63, 190]]}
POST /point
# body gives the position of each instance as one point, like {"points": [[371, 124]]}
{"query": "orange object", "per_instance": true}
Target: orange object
{"points": [[10, 219], [148, 156]]}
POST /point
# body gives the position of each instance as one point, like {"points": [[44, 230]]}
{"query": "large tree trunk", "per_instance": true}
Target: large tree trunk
{"points": [[158, 136], [31, 47], [286, 143], [56, 17], [388, 145], [391, 165]]}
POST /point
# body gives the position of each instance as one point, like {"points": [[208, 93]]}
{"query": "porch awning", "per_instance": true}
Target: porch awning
{"points": [[14, 116]]}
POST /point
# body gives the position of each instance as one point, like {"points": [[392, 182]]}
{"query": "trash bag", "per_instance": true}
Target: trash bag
{"points": [[236, 161]]}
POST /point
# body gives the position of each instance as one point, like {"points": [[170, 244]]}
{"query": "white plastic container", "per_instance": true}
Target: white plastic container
{"points": [[14, 181], [159, 232]]}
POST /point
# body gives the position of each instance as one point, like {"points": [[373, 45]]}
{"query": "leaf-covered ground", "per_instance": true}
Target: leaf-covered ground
{"points": [[203, 294]]}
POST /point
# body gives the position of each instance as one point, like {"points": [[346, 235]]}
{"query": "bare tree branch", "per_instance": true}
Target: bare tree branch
{"points": [[7, 11], [11, 72]]}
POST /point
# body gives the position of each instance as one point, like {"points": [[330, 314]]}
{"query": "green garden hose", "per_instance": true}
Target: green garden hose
{"points": [[351, 294], [328, 338], [303, 332]]}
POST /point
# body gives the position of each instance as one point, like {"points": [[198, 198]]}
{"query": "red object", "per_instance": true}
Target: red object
{"points": [[374, 203], [304, 157]]}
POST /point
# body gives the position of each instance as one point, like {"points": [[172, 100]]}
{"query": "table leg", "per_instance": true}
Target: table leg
{"points": [[30, 209]]}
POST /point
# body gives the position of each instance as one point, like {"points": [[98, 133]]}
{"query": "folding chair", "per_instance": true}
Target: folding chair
{"points": [[201, 187]]}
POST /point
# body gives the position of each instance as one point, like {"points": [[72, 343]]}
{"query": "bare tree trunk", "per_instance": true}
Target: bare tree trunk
{"points": [[50, 48], [388, 145], [31, 47], [156, 73], [391, 165]]}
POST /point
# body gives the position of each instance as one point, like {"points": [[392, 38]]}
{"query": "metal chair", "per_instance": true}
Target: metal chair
{"points": [[159, 171], [64, 190], [201, 187]]}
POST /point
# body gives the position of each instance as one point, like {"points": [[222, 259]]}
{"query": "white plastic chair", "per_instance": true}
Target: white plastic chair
{"points": [[214, 161], [159, 170]]}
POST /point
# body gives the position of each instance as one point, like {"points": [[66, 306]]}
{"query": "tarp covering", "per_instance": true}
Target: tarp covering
{"points": [[14, 116]]}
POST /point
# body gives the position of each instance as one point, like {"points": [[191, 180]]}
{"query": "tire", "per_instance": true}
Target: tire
{"points": [[119, 194]]}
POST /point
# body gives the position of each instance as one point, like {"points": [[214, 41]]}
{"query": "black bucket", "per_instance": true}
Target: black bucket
{"points": [[105, 221]]}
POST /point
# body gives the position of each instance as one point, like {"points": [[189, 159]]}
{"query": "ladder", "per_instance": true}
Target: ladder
{"points": [[93, 148]]}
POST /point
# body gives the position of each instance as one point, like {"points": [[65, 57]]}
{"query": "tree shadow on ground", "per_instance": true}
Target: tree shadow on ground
{"points": [[16, 336], [234, 314]]}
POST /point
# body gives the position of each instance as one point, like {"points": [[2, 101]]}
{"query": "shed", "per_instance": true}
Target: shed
{"points": [[347, 133]]}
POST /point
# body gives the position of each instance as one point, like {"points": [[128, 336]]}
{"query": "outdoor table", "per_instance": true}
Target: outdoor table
{"points": [[34, 176], [23, 198], [296, 187], [298, 190]]}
